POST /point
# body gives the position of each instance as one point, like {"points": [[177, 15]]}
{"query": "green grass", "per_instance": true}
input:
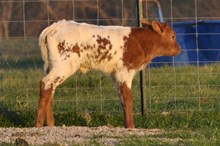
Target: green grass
{"points": [[185, 137], [185, 89]]}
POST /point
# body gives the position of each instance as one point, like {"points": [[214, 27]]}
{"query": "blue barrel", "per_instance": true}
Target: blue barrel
{"points": [[209, 41]]}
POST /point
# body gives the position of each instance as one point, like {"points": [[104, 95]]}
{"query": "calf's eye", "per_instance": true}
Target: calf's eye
{"points": [[174, 37]]}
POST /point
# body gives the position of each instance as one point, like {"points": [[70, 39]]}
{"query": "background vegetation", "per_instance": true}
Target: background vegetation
{"points": [[18, 18]]}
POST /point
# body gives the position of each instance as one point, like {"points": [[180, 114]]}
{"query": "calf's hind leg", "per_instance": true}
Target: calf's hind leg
{"points": [[44, 105], [47, 88]]}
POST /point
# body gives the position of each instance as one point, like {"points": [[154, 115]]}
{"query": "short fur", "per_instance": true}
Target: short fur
{"points": [[121, 52]]}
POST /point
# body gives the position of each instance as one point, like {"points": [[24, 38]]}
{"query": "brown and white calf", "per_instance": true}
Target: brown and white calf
{"points": [[121, 52]]}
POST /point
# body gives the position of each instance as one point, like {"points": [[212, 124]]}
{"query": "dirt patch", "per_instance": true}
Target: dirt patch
{"points": [[71, 135]]}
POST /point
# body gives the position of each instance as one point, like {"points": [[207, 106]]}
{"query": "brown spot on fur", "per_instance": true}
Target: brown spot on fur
{"points": [[103, 42], [57, 79], [87, 47], [61, 80], [103, 51], [109, 57], [66, 50], [110, 47], [61, 47], [76, 49], [103, 56]]}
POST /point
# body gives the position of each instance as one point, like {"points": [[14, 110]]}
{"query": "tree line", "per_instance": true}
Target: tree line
{"points": [[19, 18]]}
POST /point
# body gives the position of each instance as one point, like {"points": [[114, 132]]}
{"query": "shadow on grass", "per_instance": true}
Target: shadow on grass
{"points": [[18, 118]]}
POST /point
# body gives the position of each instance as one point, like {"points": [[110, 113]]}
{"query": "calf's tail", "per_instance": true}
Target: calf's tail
{"points": [[43, 43]]}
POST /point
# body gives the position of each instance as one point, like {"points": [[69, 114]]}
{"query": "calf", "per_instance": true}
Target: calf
{"points": [[121, 52]]}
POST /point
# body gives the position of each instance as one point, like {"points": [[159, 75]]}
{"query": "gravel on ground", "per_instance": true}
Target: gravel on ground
{"points": [[64, 135]]}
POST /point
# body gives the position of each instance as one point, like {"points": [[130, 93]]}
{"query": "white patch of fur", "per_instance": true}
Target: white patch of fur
{"points": [[84, 34], [125, 76]]}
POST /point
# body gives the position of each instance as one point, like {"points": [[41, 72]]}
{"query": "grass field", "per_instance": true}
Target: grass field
{"points": [[189, 137], [185, 101], [167, 88]]}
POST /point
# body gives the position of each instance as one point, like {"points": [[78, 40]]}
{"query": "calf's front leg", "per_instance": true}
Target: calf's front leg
{"points": [[127, 104]]}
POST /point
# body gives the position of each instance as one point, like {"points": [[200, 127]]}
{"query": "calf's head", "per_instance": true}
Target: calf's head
{"points": [[163, 37]]}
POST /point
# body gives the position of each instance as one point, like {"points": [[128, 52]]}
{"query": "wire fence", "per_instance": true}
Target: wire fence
{"points": [[182, 83]]}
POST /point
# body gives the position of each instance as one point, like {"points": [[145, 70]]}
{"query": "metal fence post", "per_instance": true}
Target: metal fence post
{"points": [[142, 73]]}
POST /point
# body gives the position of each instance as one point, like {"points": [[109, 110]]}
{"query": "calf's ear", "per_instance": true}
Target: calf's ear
{"points": [[157, 26]]}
